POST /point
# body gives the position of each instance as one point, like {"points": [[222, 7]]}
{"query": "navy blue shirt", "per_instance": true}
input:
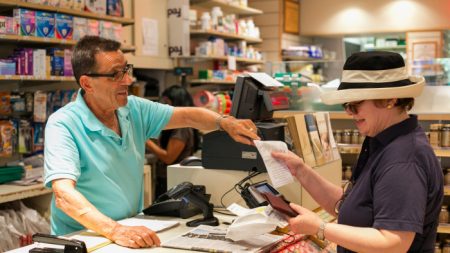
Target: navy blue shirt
{"points": [[397, 185]]}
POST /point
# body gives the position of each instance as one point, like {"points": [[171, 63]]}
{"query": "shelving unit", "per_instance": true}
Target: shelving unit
{"points": [[14, 192], [21, 4], [225, 36], [211, 81], [220, 58], [356, 149], [232, 8]]}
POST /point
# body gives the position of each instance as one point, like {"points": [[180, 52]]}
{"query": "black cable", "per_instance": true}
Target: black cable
{"points": [[239, 185]]}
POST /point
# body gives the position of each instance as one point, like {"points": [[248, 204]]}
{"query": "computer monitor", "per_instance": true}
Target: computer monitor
{"points": [[253, 100]]}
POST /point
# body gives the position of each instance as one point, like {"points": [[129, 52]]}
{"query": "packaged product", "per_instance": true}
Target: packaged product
{"points": [[40, 106], [78, 5], [6, 138], [8, 25], [80, 28], [26, 21], [96, 6], [66, 4], [64, 26], [93, 27], [45, 24], [114, 8]]}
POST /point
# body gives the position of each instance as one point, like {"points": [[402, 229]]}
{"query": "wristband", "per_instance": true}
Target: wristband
{"points": [[321, 232], [218, 120]]}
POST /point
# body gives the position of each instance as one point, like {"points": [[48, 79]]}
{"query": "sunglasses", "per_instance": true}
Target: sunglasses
{"points": [[347, 189], [352, 106], [116, 76]]}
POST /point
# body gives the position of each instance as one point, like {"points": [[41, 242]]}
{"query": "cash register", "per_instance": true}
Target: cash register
{"points": [[256, 98]]}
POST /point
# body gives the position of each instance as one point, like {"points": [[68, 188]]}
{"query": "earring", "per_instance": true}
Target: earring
{"points": [[389, 106]]}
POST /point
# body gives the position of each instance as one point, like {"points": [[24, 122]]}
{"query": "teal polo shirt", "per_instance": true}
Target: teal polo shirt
{"points": [[107, 168]]}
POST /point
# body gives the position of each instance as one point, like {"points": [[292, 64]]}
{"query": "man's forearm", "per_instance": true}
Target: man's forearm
{"points": [[74, 204]]}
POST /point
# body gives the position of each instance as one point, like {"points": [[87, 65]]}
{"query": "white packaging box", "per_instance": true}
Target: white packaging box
{"points": [[39, 66], [96, 6], [178, 21]]}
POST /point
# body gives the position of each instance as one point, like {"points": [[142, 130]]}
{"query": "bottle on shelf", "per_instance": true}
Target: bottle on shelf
{"points": [[206, 21], [444, 215]]}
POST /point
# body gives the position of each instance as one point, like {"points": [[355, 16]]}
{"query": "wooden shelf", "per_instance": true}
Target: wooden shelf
{"points": [[220, 58], [226, 7], [356, 149], [441, 152], [18, 3], [15, 192], [344, 116], [37, 79], [443, 228], [401, 47], [306, 59], [226, 36], [446, 190], [211, 81], [50, 41]]}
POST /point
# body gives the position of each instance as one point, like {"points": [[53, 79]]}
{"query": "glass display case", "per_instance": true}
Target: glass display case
{"points": [[304, 80]]}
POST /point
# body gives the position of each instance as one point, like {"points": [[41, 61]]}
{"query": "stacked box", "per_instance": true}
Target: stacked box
{"points": [[56, 61], [45, 24], [7, 67], [66, 4], [39, 66], [80, 28], [114, 8], [93, 27], [64, 26], [106, 30], [96, 6], [68, 62], [117, 31], [8, 25], [26, 22], [78, 5]]}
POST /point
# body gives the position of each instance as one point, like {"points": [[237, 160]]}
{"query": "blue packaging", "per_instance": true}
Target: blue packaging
{"points": [[7, 67], [64, 26], [26, 20], [45, 24], [56, 61]]}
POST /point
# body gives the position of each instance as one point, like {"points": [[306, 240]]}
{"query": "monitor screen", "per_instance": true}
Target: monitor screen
{"points": [[252, 100]]}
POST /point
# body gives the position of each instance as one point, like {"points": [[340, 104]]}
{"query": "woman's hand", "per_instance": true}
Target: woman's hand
{"points": [[307, 222], [292, 161], [134, 236]]}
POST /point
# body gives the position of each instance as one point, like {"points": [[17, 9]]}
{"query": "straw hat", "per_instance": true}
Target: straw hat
{"points": [[374, 75]]}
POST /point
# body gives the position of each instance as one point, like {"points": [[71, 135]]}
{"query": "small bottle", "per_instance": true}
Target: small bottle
{"points": [[348, 172], [447, 177], [446, 247], [355, 137], [206, 21], [338, 136], [347, 136], [443, 215], [445, 135], [361, 138], [437, 248], [434, 134]]}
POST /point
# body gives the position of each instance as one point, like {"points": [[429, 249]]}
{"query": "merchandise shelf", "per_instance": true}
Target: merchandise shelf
{"points": [[220, 58], [226, 36], [443, 228], [16, 192], [38, 79], [226, 7], [343, 115], [50, 41], [34, 6], [356, 149], [447, 190], [210, 81]]}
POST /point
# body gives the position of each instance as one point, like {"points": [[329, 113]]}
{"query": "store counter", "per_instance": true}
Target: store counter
{"points": [[218, 182], [163, 236]]}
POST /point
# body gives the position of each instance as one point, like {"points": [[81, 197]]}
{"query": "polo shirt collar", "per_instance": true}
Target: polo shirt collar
{"points": [[389, 134], [89, 118]]}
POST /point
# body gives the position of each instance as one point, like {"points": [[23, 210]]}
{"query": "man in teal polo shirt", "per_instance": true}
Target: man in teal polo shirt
{"points": [[94, 146]]}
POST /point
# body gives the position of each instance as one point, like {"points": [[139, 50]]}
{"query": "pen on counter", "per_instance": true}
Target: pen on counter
{"points": [[210, 250]]}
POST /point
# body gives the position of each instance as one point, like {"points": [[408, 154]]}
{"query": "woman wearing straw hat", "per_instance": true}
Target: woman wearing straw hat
{"points": [[392, 202]]}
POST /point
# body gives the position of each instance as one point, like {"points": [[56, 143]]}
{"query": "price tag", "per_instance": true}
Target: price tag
{"points": [[231, 62]]}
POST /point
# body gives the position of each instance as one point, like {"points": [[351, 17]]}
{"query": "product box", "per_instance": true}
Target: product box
{"points": [[64, 26], [8, 25], [117, 32], [68, 62], [56, 61], [28, 61], [93, 27], [54, 3], [80, 28], [106, 30], [39, 66], [45, 24], [40, 106], [78, 5], [42, 2], [26, 21], [96, 6], [7, 67], [66, 4], [114, 8]]}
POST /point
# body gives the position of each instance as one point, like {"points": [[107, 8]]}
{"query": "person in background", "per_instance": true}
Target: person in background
{"points": [[174, 144], [95, 146], [392, 202]]}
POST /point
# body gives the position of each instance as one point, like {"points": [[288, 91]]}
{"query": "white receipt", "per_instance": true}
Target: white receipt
{"points": [[279, 173]]}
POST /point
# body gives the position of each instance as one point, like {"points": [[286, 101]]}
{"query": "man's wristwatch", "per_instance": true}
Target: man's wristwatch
{"points": [[321, 232], [218, 120]]}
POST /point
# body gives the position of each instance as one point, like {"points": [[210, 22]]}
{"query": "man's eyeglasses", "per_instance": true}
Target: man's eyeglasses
{"points": [[116, 76], [352, 106], [347, 189]]}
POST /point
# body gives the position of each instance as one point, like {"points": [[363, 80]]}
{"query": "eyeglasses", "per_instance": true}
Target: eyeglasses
{"points": [[352, 106], [116, 76], [347, 189]]}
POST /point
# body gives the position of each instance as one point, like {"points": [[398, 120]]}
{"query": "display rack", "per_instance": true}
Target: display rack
{"points": [[34, 6], [231, 8], [15, 192], [225, 36]]}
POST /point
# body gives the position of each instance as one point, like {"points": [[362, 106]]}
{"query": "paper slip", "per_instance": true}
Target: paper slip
{"points": [[279, 173], [155, 225], [265, 79]]}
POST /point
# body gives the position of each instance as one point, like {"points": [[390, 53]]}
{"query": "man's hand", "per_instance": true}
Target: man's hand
{"points": [[134, 236], [241, 130]]}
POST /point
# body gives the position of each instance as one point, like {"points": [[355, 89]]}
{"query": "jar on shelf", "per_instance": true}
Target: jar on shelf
{"points": [[361, 138], [437, 248], [338, 136], [348, 172], [355, 137], [347, 136], [445, 135], [443, 215], [446, 247], [435, 134], [447, 177]]}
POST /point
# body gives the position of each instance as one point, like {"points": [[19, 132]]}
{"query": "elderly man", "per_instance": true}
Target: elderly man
{"points": [[94, 146]]}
